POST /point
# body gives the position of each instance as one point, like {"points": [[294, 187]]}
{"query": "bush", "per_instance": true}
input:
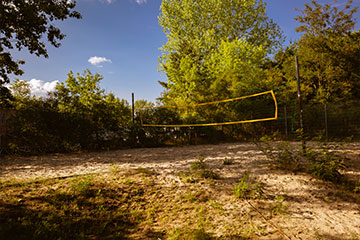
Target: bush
{"points": [[283, 154], [326, 164], [201, 170], [246, 189]]}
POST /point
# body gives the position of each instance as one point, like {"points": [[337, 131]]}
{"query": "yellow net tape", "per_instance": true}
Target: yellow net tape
{"points": [[214, 124]]}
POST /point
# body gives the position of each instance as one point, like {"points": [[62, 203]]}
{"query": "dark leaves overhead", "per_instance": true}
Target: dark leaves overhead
{"points": [[24, 24]]}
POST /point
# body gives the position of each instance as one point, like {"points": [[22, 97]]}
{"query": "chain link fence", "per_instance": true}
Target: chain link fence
{"points": [[34, 132]]}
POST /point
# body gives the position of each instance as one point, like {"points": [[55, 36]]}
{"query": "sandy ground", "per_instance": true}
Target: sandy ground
{"points": [[314, 207]]}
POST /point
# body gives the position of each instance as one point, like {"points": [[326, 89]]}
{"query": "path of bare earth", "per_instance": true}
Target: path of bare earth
{"points": [[313, 206]]}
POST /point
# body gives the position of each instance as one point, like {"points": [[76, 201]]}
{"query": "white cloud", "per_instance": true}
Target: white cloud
{"points": [[96, 61], [107, 1], [40, 88], [112, 1], [140, 1]]}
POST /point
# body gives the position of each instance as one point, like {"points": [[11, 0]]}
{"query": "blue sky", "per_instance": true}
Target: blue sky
{"points": [[120, 39]]}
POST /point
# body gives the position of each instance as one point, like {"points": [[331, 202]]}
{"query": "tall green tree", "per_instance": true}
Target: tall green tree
{"points": [[24, 24], [82, 95], [79, 94], [214, 47], [329, 52]]}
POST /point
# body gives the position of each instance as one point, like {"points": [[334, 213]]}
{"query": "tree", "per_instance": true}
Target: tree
{"points": [[23, 25], [206, 38], [101, 115], [329, 52], [79, 94], [20, 89], [324, 20]]}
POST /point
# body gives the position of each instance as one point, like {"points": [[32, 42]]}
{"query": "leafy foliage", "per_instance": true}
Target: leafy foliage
{"points": [[326, 164], [278, 207], [328, 56], [24, 24], [321, 161], [246, 188], [214, 48], [282, 154], [201, 170], [78, 115]]}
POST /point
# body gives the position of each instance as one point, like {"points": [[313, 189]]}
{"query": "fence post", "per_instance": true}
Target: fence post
{"points": [[133, 119], [286, 124], [326, 122]]}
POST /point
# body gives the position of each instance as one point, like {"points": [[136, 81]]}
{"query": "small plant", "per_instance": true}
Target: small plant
{"points": [[326, 164], [357, 187], [82, 186], [216, 205], [145, 171], [115, 168], [189, 234], [283, 155], [198, 196], [228, 161], [278, 207], [200, 169], [246, 189]]}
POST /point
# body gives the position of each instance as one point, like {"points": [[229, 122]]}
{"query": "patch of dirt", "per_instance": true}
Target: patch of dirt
{"points": [[315, 209]]}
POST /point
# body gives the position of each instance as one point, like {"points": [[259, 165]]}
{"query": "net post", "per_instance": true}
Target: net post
{"points": [[133, 119], [300, 104], [326, 122], [286, 123]]}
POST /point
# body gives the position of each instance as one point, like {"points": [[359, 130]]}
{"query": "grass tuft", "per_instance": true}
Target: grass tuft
{"points": [[200, 169], [247, 189]]}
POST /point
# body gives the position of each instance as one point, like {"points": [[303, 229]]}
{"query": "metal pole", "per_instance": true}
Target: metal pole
{"points": [[286, 124], [1, 131], [326, 122], [133, 118], [133, 109], [300, 103]]}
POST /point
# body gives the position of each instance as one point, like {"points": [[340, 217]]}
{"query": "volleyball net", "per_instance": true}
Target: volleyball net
{"points": [[245, 109]]}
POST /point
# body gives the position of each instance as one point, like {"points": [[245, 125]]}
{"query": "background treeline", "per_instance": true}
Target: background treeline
{"points": [[210, 55], [78, 115]]}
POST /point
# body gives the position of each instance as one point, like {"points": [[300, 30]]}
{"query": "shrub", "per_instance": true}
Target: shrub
{"points": [[326, 164], [278, 207], [201, 170], [283, 154], [246, 189]]}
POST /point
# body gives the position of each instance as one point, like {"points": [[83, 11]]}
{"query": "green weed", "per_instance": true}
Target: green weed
{"points": [[320, 161], [357, 187], [196, 196], [278, 207], [200, 169], [326, 164], [283, 155], [115, 168], [228, 161], [246, 189], [145, 171], [82, 185], [189, 234]]}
